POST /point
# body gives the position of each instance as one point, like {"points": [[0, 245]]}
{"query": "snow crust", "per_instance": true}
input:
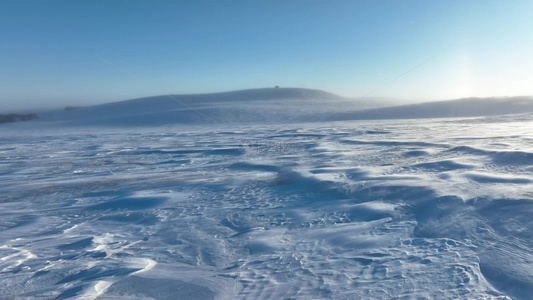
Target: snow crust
{"points": [[413, 209]]}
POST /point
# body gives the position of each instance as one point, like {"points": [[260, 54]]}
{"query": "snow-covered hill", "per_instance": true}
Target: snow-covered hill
{"points": [[468, 107], [274, 106], [269, 105]]}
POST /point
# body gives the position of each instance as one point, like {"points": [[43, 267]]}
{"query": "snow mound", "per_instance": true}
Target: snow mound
{"points": [[270, 105]]}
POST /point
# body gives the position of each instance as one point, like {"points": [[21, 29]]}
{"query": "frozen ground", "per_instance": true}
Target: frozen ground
{"points": [[430, 209]]}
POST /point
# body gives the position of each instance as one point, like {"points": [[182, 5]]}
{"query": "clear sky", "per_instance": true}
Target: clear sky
{"points": [[81, 52]]}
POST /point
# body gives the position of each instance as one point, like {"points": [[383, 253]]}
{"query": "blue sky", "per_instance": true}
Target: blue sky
{"points": [[81, 52]]}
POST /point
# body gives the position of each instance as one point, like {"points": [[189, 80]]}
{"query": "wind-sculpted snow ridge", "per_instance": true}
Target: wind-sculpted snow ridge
{"points": [[347, 210]]}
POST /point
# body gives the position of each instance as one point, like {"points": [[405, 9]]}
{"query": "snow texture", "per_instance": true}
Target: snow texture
{"points": [[409, 209]]}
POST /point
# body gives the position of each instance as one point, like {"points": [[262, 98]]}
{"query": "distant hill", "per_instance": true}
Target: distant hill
{"points": [[277, 105], [266, 105], [468, 107]]}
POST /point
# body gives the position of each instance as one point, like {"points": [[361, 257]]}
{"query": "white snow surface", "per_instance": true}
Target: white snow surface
{"points": [[411, 209]]}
